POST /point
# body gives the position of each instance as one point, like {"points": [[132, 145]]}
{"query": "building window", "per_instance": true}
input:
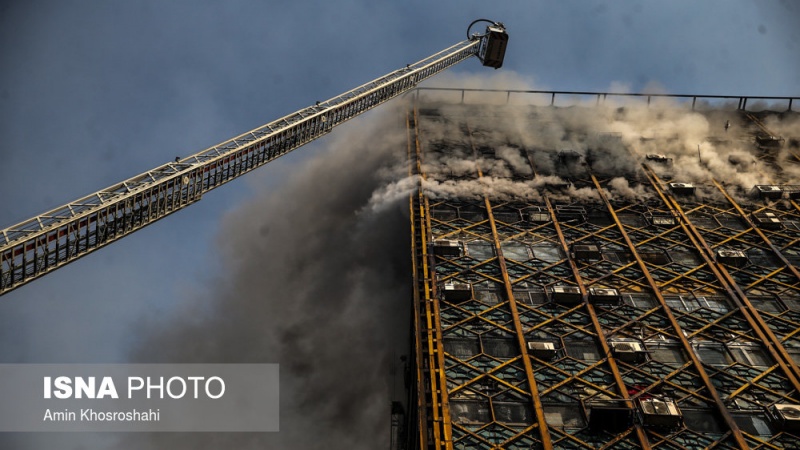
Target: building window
{"points": [[513, 412], [582, 349], [666, 353], [713, 302], [767, 304], [516, 251], [750, 354], [712, 354], [702, 421], [755, 424], [530, 296], [547, 253], [640, 300], [793, 303], [462, 348], [688, 303], [618, 257], [564, 416], [655, 257], [470, 411], [794, 353], [480, 250], [502, 348], [490, 297], [685, 258]]}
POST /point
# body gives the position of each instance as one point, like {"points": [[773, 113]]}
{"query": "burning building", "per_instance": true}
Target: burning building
{"points": [[573, 291]]}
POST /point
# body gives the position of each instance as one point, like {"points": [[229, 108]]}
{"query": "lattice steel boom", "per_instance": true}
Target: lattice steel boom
{"points": [[39, 245]]}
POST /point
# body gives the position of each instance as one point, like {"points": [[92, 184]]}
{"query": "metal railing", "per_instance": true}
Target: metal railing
{"points": [[600, 98]]}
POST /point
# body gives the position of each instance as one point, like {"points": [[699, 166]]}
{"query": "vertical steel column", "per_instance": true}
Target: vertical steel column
{"points": [[736, 432], [612, 363], [750, 313], [417, 244], [544, 432], [440, 420]]}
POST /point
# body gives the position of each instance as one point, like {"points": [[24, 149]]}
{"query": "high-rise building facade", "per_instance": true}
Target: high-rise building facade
{"points": [[612, 273]]}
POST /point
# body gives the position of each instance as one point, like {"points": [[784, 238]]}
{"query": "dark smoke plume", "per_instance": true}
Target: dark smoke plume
{"points": [[317, 279]]}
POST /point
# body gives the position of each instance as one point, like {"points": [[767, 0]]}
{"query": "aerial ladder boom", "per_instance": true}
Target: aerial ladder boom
{"points": [[48, 241]]}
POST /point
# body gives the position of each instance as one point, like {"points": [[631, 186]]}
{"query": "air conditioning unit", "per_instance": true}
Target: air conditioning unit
{"points": [[585, 252], [539, 216], [457, 292], [768, 221], [658, 158], [542, 350], [787, 416], [660, 413], [770, 192], [682, 188], [568, 295], [663, 220], [735, 258], [628, 351], [604, 296], [770, 141], [447, 248]]}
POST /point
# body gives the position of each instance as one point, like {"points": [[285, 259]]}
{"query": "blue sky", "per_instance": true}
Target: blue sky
{"points": [[93, 92]]}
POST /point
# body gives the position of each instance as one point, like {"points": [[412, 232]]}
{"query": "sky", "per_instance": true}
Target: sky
{"points": [[94, 92]]}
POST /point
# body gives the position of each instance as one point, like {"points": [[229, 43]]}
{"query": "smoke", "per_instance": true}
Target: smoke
{"points": [[610, 140], [316, 277], [316, 274]]}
